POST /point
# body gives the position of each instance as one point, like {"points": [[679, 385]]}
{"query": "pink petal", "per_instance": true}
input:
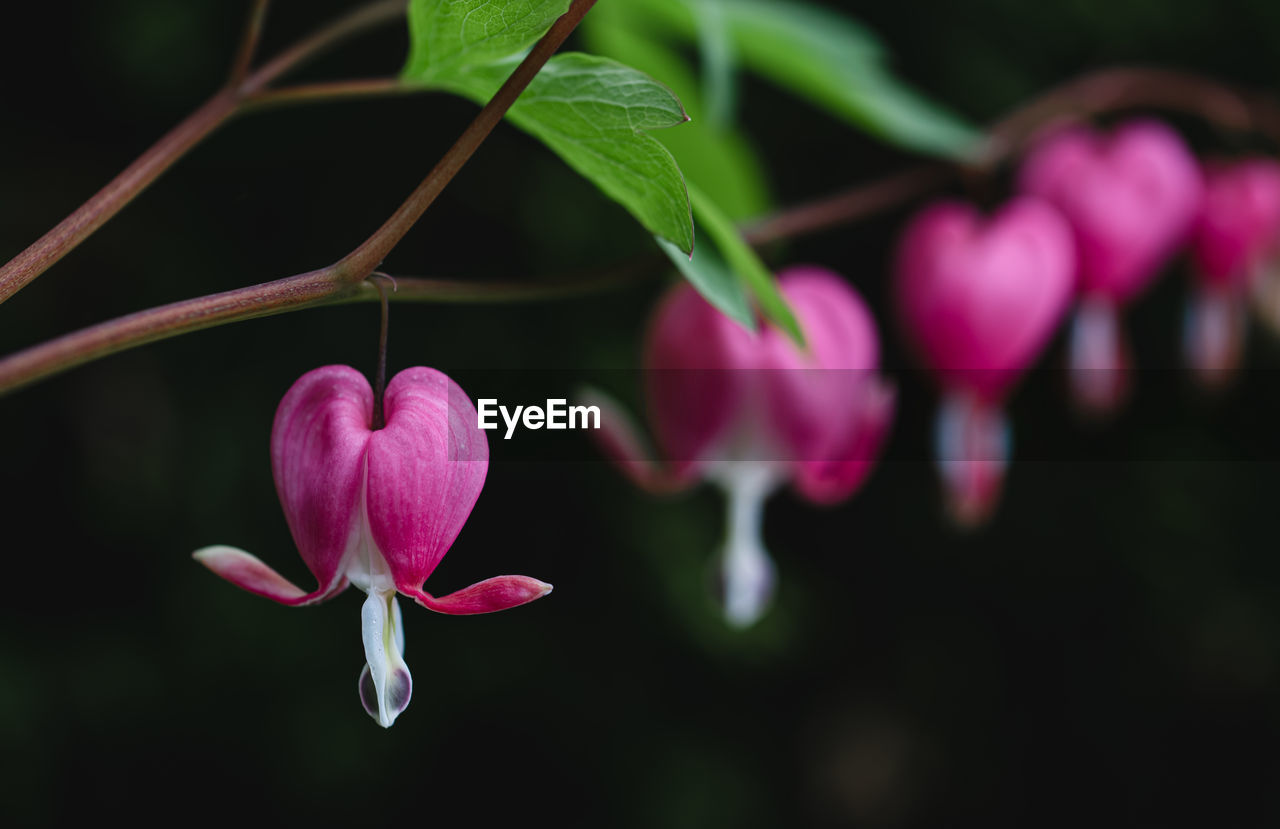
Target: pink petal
{"points": [[318, 447], [245, 570], [698, 371], [497, 593], [1130, 197], [426, 470], [980, 298], [829, 480], [1239, 221], [814, 397]]}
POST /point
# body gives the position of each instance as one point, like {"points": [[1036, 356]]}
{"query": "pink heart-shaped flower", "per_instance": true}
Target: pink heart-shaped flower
{"points": [[978, 297], [1130, 198], [377, 508], [1238, 225], [752, 411]]}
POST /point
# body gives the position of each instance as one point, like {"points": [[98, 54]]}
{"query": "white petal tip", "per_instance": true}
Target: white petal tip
{"points": [[245, 570], [385, 685], [741, 618], [212, 553]]}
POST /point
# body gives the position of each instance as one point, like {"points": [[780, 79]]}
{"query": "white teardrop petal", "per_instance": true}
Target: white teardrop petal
{"points": [[385, 669]]}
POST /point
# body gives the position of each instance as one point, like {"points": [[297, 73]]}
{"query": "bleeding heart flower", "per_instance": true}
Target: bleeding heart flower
{"points": [[750, 412], [1235, 238], [377, 508], [1130, 198], [979, 299]]}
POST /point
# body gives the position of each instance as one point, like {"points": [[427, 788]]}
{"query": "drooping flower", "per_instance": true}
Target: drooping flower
{"points": [[1130, 197], [979, 298], [751, 412], [376, 508], [1235, 238]]}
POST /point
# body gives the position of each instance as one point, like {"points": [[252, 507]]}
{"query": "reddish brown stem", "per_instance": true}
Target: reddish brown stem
{"points": [[1117, 89], [166, 321], [334, 283], [1107, 90], [248, 43], [380, 377], [360, 262], [849, 205], [1122, 88], [108, 201], [330, 91]]}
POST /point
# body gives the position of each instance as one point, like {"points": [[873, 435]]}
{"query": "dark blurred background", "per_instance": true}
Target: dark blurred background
{"points": [[1106, 651]]}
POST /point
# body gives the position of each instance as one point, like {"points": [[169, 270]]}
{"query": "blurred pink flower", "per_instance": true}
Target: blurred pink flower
{"points": [[1130, 197], [979, 298], [376, 508], [750, 412], [1235, 238]]}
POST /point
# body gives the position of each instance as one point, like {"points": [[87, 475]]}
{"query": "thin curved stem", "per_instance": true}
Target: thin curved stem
{"points": [[108, 201], [330, 91], [360, 20], [1118, 89], [358, 264], [342, 280], [321, 287], [1134, 87], [849, 205], [248, 42], [1103, 91], [379, 282], [492, 292], [166, 321], [145, 169]]}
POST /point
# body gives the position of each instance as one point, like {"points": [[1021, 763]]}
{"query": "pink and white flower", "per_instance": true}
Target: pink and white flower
{"points": [[1130, 197], [750, 412], [979, 299], [1235, 239], [376, 508]]}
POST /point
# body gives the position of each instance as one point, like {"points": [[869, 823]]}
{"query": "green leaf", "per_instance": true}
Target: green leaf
{"points": [[742, 260], [708, 273], [751, 19], [890, 109], [813, 63], [715, 51], [724, 165], [615, 30], [447, 35], [829, 60], [595, 114], [717, 156]]}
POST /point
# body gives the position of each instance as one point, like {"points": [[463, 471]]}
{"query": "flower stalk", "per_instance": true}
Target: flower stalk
{"points": [[380, 377], [1093, 93], [333, 283], [139, 175]]}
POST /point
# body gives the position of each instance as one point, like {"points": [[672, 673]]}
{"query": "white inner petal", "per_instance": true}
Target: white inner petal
{"points": [[363, 563], [969, 439], [385, 669], [1213, 330], [1096, 355], [747, 572]]}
